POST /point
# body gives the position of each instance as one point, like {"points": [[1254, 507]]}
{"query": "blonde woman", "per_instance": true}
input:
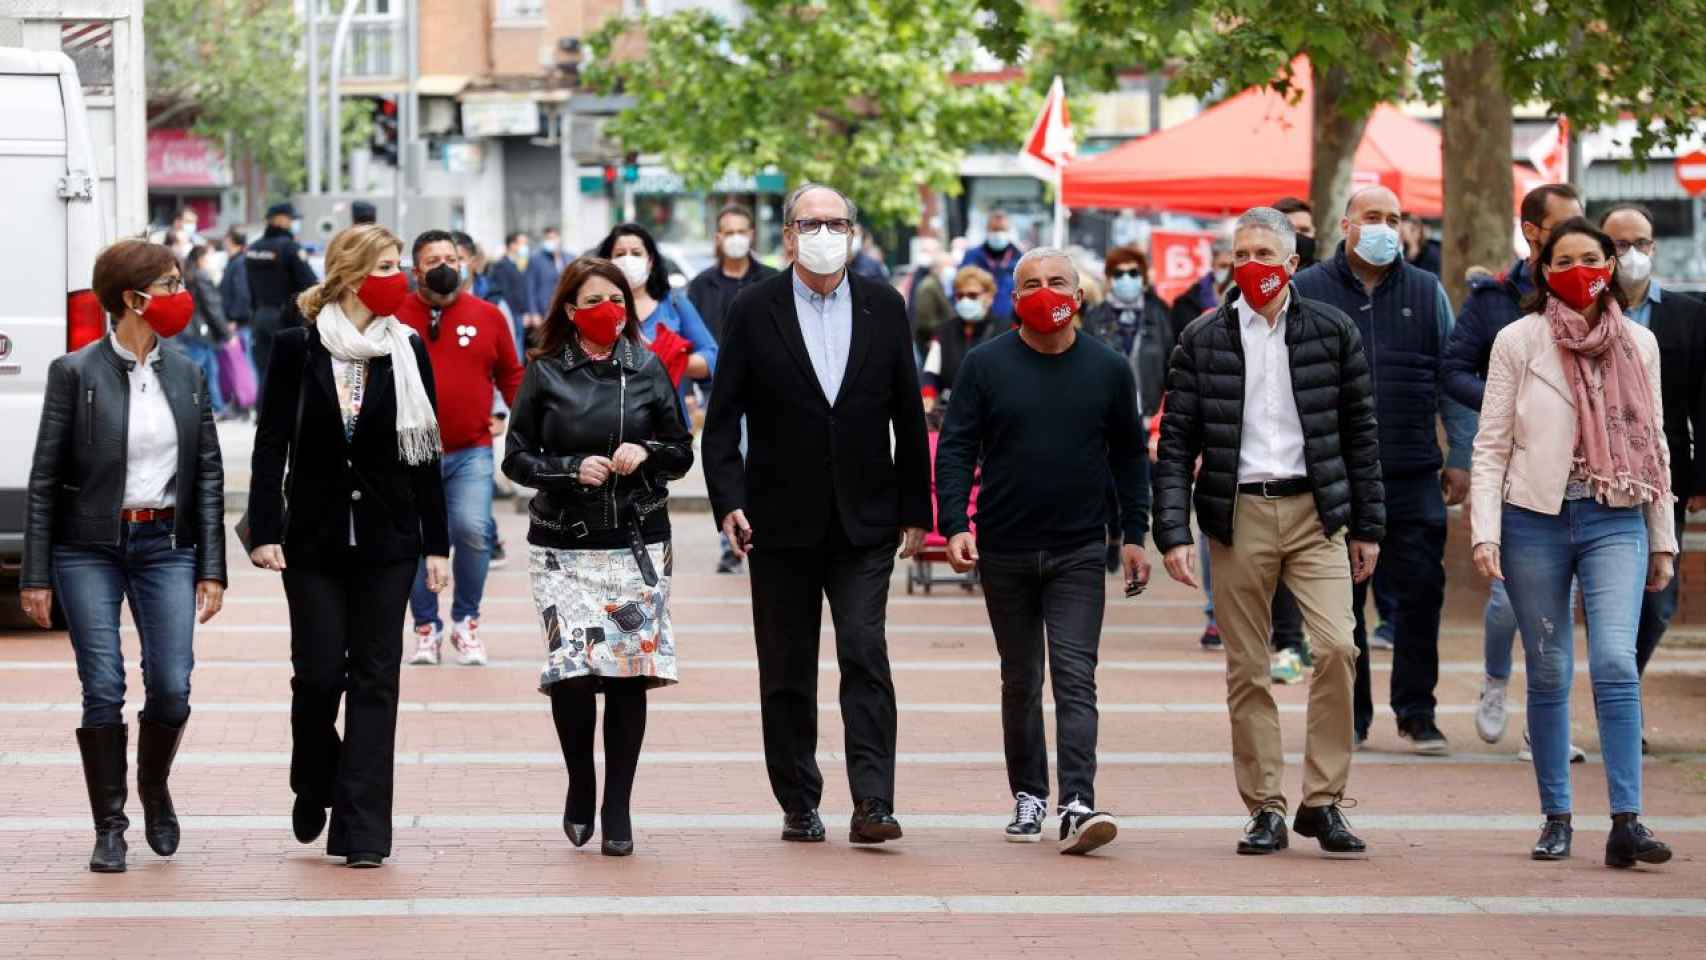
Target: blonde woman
{"points": [[349, 407]]}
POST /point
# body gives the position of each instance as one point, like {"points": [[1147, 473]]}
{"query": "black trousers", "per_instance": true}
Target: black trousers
{"points": [[1413, 559], [1058, 596], [346, 642], [788, 587]]}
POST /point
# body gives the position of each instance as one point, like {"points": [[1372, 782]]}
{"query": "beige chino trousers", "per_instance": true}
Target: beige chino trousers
{"points": [[1273, 540]]}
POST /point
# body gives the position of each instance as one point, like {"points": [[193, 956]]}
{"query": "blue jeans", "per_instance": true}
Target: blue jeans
{"points": [[1207, 583], [1605, 548], [206, 356], [158, 578], [468, 504], [1658, 608]]}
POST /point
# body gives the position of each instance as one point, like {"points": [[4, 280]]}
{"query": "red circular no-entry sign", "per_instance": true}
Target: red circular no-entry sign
{"points": [[1691, 172]]}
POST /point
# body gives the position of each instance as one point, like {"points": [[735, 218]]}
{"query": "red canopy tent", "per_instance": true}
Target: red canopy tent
{"points": [[1253, 149]]}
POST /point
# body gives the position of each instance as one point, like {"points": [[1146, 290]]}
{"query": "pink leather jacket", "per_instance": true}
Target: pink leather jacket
{"points": [[1528, 432]]}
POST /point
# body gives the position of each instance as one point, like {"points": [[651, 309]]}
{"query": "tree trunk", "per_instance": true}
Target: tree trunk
{"points": [[1479, 191], [1337, 135]]}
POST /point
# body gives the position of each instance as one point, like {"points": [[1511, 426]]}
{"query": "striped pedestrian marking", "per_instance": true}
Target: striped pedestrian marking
{"points": [[554, 760], [980, 629], [751, 906], [542, 705]]}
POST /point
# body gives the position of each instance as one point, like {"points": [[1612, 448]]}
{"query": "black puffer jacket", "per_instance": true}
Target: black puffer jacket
{"points": [[1205, 417], [570, 408], [77, 478]]}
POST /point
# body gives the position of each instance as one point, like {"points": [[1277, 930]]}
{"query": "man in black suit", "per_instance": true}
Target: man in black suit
{"points": [[509, 288], [1678, 322], [820, 364]]}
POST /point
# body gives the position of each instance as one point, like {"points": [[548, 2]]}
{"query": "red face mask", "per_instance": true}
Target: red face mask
{"points": [[1580, 285], [383, 295], [1045, 310], [601, 322], [168, 314], [1260, 282]]}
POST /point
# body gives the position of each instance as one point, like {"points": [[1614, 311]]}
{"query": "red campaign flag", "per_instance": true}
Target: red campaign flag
{"points": [[674, 350], [1178, 259], [1050, 144], [1550, 152]]}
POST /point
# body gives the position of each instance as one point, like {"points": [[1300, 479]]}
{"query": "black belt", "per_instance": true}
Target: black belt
{"points": [[1274, 489]]}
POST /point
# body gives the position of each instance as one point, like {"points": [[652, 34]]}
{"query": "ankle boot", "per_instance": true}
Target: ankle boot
{"points": [[156, 745], [1630, 842], [104, 774]]}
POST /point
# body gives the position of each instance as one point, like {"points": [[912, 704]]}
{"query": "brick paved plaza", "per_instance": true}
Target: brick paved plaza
{"points": [[481, 867]]}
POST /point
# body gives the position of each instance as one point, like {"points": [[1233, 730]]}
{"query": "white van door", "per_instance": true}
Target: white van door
{"points": [[33, 311]]}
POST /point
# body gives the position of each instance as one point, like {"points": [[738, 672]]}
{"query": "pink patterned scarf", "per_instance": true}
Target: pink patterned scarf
{"points": [[1618, 443]]}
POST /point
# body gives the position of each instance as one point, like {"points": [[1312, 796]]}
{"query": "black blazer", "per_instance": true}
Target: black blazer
{"points": [[399, 509], [1679, 324], [76, 489], [802, 444]]}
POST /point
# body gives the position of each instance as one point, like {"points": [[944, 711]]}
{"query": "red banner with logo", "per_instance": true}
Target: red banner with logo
{"points": [[1179, 258], [179, 158]]}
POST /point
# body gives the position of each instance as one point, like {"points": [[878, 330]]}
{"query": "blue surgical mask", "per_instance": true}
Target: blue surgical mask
{"points": [[998, 240], [1128, 289], [1377, 244], [970, 309]]}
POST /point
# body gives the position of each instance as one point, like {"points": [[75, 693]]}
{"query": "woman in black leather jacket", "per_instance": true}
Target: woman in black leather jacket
{"points": [[597, 430], [127, 499]]}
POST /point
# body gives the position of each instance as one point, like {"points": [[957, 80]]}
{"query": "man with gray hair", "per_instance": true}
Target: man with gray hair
{"points": [[1271, 392], [1047, 415], [820, 364]]}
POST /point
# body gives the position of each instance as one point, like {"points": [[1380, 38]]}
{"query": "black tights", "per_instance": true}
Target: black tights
{"points": [[574, 708]]}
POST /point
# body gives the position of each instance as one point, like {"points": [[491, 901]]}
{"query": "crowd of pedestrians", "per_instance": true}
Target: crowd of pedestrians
{"points": [[1275, 430]]}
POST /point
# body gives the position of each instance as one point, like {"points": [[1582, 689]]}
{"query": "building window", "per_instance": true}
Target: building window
{"points": [[520, 11]]}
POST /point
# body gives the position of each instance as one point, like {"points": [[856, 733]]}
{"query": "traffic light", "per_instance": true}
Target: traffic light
{"points": [[385, 138]]}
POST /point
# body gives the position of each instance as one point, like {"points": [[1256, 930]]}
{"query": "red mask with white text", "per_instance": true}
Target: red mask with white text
{"points": [[168, 314], [383, 295], [601, 322], [1260, 282], [1580, 285], [1045, 310]]}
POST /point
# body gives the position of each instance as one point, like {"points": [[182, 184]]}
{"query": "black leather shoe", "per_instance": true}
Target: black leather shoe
{"points": [[617, 848], [803, 827], [156, 747], [1328, 826], [364, 861], [1631, 842], [1266, 834], [1554, 842], [103, 750], [873, 822], [307, 819]]}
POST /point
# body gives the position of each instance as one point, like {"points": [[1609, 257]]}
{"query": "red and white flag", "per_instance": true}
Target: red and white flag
{"points": [[1550, 153], [1049, 145]]}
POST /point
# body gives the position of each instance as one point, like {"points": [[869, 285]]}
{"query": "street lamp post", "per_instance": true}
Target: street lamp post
{"points": [[334, 119], [311, 39]]}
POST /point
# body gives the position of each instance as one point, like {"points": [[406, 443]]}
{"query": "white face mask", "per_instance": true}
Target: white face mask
{"points": [[1633, 267], [635, 267], [1220, 275], [737, 245], [822, 252]]}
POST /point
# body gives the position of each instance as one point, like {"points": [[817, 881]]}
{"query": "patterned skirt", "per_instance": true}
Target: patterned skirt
{"points": [[600, 619]]}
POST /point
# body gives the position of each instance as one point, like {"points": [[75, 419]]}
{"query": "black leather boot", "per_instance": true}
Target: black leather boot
{"points": [[1630, 842], [104, 762], [156, 745]]}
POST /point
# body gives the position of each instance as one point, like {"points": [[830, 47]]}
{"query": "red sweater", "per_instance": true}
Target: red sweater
{"points": [[466, 368]]}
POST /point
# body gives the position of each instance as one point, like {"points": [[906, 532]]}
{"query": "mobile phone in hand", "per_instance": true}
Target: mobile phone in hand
{"points": [[1134, 587]]}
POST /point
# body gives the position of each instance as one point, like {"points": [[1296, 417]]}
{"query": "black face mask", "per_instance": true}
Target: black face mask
{"points": [[1305, 250], [443, 279]]}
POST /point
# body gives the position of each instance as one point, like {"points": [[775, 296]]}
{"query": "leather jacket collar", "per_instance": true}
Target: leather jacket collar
{"points": [[627, 352]]}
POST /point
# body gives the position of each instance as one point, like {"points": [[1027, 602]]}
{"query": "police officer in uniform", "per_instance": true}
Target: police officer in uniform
{"points": [[277, 273]]}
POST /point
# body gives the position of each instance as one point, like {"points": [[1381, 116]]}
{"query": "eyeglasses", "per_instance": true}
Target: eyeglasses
{"points": [[172, 284], [1128, 272], [1644, 245], [839, 226]]}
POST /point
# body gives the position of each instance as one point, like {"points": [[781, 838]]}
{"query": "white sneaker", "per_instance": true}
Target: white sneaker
{"points": [[465, 637], [1492, 714], [428, 637], [1083, 830], [1577, 754]]}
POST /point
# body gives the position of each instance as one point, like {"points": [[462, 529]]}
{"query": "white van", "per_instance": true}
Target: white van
{"points": [[54, 230]]}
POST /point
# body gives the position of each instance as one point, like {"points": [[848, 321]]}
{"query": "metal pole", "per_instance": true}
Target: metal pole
{"points": [[311, 38], [409, 135], [334, 118], [1059, 208]]}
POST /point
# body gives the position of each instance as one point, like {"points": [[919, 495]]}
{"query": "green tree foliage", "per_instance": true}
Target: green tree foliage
{"points": [[234, 68], [856, 93]]}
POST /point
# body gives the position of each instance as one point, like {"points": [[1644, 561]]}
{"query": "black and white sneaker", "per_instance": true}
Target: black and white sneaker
{"points": [[1083, 829], [1028, 816]]}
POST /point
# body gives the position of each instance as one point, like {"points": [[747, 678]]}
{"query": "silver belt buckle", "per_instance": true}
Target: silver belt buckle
{"points": [[1265, 494]]}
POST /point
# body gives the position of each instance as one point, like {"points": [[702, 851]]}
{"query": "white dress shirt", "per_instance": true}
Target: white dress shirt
{"points": [[151, 446], [1271, 447], [826, 325]]}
